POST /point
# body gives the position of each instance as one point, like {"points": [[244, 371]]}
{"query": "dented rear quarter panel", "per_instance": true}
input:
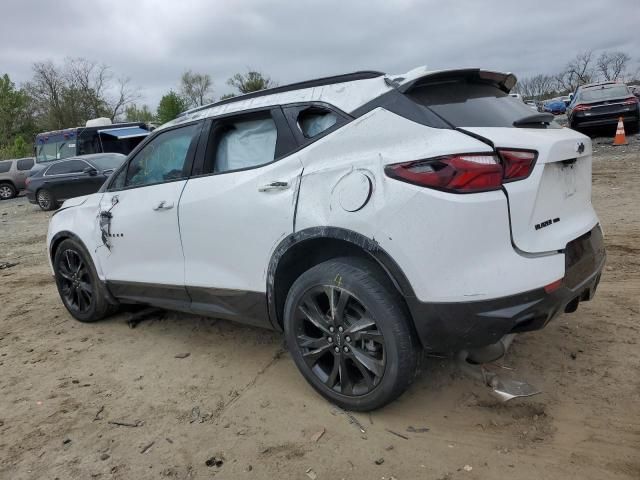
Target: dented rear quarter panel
{"points": [[450, 247]]}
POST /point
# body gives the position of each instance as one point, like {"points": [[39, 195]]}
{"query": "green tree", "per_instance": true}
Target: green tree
{"points": [[251, 81], [134, 114], [16, 119], [171, 105], [227, 95]]}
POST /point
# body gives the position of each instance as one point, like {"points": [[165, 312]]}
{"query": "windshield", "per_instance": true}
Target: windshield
{"points": [[108, 162], [604, 93], [471, 104], [55, 150]]}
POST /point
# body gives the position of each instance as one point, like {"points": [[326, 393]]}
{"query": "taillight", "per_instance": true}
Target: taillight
{"points": [[630, 101], [466, 172], [517, 164], [581, 108], [462, 173]]}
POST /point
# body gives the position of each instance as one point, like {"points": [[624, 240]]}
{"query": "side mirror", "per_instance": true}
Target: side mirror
{"points": [[91, 171]]}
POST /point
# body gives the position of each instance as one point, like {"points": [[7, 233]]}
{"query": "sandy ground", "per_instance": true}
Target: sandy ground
{"points": [[236, 407]]}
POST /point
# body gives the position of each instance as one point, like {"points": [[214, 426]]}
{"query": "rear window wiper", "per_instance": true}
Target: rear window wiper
{"points": [[536, 119]]}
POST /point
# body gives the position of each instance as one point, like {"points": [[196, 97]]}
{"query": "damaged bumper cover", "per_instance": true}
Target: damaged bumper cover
{"points": [[449, 327]]}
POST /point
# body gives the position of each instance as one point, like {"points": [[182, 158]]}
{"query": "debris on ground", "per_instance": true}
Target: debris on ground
{"points": [[182, 355], [137, 423], [318, 435], [215, 461], [379, 461], [147, 447], [467, 468], [98, 414], [104, 456], [397, 434], [311, 474], [412, 429], [5, 265], [352, 419]]}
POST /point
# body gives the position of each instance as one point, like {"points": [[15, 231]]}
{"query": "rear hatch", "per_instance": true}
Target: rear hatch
{"points": [[550, 207]]}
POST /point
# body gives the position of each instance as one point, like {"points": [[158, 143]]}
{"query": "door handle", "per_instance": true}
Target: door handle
{"points": [[163, 205], [274, 186]]}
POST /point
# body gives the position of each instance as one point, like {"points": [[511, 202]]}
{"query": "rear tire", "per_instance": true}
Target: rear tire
{"points": [[80, 289], [7, 191], [360, 354], [46, 200]]}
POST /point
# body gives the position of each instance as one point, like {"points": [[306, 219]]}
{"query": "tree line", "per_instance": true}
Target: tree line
{"points": [[68, 94], [584, 68]]}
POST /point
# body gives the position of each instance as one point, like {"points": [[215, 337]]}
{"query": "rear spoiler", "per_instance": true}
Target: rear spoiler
{"points": [[421, 76]]}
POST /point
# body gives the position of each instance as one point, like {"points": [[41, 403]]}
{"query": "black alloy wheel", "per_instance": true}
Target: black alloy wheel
{"points": [[339, 340], [78, 284], [349, 333], [75, 281]]}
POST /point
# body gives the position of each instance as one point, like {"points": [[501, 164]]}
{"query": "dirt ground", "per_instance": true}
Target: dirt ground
{"points": [[105, 401]]}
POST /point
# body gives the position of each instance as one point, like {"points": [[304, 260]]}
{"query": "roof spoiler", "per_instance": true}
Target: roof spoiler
{"points": [[421, 76]]}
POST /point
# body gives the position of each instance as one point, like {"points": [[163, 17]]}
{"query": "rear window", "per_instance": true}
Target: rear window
{"points": [[471, 104], [5, 167], [604, 93]]}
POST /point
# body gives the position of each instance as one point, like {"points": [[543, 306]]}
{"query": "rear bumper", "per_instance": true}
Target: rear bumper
{"points": [[448, 327], [582, 119]]}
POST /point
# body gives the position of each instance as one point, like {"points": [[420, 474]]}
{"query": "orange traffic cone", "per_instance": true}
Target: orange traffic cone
{"points": [[620, 138]]}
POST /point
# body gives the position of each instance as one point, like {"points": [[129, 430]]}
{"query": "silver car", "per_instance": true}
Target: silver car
{"points": [[13, 174]]}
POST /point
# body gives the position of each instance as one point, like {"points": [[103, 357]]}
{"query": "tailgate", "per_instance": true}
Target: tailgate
{"points": [[552, 206]]}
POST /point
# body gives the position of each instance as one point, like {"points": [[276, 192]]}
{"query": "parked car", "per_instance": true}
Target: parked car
{"points": [[599, 104], [71, 177], [555, 106], [367, 216], [12, 176]]}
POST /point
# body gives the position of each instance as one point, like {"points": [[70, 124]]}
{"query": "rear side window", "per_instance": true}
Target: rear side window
{"points": [[245, 144], [471, 104], [5, 167], [25, 164], [70, 166], [314, 121]]}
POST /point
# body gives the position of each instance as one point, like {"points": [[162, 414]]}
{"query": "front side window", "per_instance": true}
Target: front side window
{"points": [[314, 121], [245, 144], [70, 166], [163, 159], [5, 167]]}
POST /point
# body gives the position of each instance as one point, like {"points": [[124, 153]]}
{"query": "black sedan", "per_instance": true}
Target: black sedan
{"points": [[71, 177], [601, 104]]}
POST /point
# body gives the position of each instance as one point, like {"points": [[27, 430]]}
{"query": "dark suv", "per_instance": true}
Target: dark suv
{"points": [[600, 104], [13, 174]]}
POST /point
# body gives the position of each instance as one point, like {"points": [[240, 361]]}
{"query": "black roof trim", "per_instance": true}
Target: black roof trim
{"points": [[318, 82]]}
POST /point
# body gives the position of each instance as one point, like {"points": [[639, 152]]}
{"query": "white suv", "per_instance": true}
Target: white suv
{"points": [[367, 216]]}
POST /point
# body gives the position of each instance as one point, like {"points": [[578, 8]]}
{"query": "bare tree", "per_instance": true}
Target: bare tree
{"points": [[196, 88], [536, 87], [612, 65], [125, 95], [578, 71]]}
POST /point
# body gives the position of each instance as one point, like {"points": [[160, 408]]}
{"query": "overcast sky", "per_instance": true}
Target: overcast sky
{"points": [[153, 42]]}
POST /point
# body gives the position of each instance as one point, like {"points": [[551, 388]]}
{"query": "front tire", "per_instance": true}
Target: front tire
{"points": [[46, 200], [78, 284], [348, 332], [7, 191]]}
